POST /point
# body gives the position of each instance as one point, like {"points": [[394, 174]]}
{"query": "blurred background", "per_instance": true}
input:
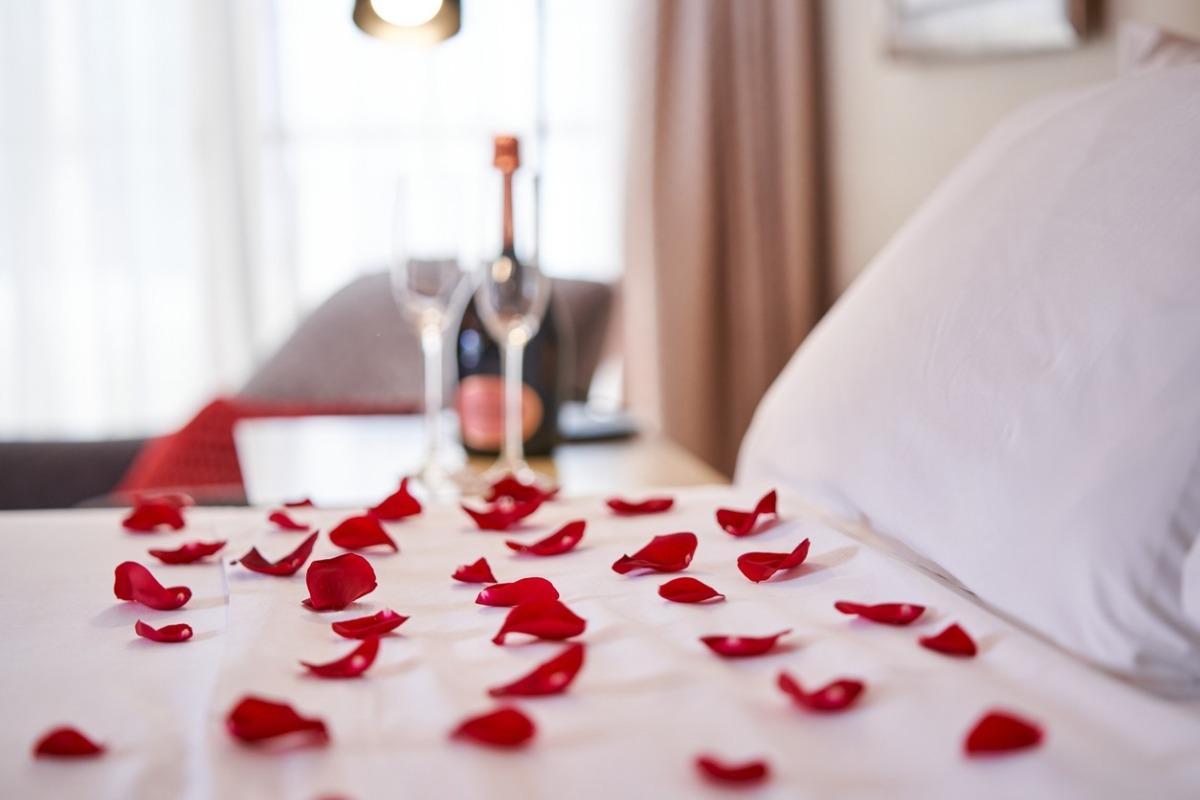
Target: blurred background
{"points": [[184, 182]]}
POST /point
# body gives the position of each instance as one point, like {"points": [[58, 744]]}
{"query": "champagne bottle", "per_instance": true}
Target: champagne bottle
{"points": [[480, 398]]}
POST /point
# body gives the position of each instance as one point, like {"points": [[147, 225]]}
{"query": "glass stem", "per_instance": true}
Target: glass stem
{"points": [[514, 441], [431, 350]]}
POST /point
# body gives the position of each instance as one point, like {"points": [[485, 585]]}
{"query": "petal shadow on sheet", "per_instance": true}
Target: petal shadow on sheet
{"points": [[125, 614], [817, 565]]}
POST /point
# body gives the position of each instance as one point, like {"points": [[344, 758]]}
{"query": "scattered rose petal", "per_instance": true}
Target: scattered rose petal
{"points": [[744, 774], [759, 567], [504, 727], [255, 720], [370, 627], [303, 502], [688, 590], [1001, 732], [742, 646], [186, 554], [396, 506], [885, 613], [513, 489], [351, 665], [551, 677], [741, 523], [651, 505], [503, 514], [288, 565], [835, 696], [561, 541], [953, 641], [525, 590], [169, 634], [66, 743], [477, 572], [671, 552], [283, 520], [357, 533], [135, 583], [542, 619], [149, 515], [334, 583]]}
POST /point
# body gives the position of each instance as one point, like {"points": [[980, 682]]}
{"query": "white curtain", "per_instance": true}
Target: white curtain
{"points": [[124, 240]]}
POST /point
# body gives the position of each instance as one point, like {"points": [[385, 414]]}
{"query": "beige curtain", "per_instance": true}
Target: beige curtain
{"points": [[723, 273]]}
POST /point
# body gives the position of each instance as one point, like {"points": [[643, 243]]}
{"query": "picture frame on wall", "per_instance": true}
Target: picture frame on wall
{"points": [[963, 29]]}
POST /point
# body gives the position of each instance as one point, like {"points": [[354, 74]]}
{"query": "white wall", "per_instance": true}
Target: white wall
{"points": [[896, 128]]}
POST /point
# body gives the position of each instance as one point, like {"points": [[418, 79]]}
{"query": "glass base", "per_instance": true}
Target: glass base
{"points": [[440, 486], [519, 469]]}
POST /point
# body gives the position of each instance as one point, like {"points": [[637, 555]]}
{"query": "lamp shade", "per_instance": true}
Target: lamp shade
{"points": [[410, 21]]}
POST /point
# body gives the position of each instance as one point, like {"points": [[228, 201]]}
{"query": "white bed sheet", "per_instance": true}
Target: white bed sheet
{"points": [[649, 699]]}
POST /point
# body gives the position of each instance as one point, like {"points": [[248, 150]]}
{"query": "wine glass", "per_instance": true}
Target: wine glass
{"points": [[431, 282], [511, 299]]}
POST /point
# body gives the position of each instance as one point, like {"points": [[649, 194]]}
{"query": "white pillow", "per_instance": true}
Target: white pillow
{"points": [[1012, 388]]}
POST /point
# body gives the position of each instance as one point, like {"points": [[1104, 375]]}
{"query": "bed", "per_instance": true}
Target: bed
{"points": [[649, 699]]}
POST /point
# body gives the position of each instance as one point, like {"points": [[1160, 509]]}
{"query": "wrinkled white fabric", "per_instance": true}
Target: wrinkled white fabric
{"points": [[1012, 388], [649, 699]]}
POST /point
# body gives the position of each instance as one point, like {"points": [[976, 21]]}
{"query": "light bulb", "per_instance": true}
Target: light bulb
{"points": [[407, 13]]}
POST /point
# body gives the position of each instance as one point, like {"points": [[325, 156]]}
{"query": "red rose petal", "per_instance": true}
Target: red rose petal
{"points": [[283, 520], [885, 613], [742, 646], [551, 677], [503, 514], [542, 619], [351, 665], [66, 743], [1001, 732], [525, 590], [504, 727], [759, 567], [149, 515], [651, 505], [835, 696], [303, 502], [561, 541], [135, 583], [744, 774], [334, 583], [396, 506], [358, 533], [671, 552], [288, 565], [477, 572], [254, 720], [169, 634], [519, 492], [370, 627], [186, 554], [741, 523], [953, 641], [688, 590]]}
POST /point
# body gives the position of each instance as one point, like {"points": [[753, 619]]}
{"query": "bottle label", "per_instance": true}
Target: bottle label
{"points": [[481, 411]]}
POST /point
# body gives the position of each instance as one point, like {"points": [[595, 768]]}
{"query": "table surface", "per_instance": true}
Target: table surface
{"points": [[352, 461]]}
